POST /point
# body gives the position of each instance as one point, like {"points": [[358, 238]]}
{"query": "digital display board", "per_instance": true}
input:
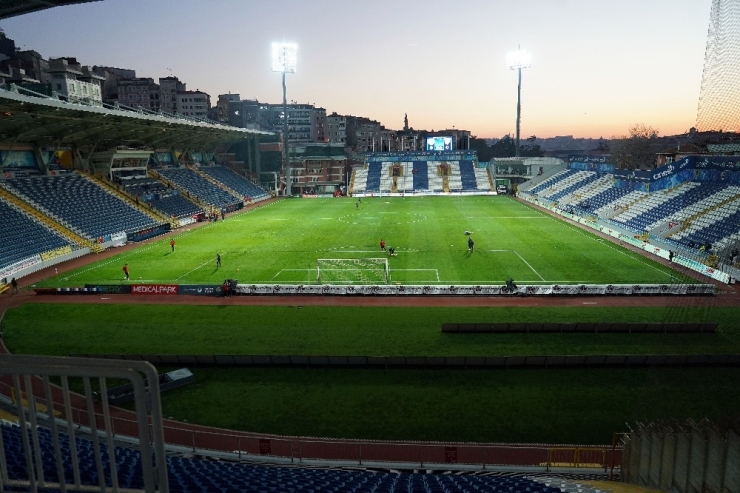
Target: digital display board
{"points": [[439, 143]]}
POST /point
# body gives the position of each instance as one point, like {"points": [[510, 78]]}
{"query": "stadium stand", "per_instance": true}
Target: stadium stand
{"points": [[373, 177], [717, 227], [422, 172], [360, 181], [467, 176], [199, 187], [421, 176], [24, 237], [162, 198], [482, 179], [569, 184], [405, 182], [235, 182], [80, 204], [605, 202], [189, 475], [659, 207], [436, 183], [689, 215]]}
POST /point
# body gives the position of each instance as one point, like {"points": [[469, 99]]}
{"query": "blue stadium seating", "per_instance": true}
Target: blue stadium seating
{"points": [[650, 210], [576, 186], [199, 187], [164, 199], [81, 204], [193, 475], [23, 237], [467, 176], [715, 232], [235, 182], [602, 198], [666, 209], [373, 177], [543, 185], [421, 175]]}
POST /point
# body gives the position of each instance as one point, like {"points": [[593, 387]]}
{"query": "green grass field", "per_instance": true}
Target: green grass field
{"points": [[551, 406], [280, 243]]}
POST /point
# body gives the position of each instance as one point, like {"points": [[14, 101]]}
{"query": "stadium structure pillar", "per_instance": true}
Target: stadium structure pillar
{"points": [[257, 157], [518, 60], [286, 149], [284, 61]]}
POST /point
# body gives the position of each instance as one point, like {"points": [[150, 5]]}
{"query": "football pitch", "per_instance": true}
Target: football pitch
{"points": [[281, 242]]}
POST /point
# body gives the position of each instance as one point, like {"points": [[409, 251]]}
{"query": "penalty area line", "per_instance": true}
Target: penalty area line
{"points": [[537, 273], [191, 271]]}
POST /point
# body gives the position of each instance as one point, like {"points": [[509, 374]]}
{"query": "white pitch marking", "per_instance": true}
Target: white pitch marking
{"points": [[538, 274], [189, 272], [608, 245], [495, 250]]}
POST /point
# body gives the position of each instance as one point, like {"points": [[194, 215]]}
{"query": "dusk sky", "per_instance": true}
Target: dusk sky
{"points": [[598, 66]]}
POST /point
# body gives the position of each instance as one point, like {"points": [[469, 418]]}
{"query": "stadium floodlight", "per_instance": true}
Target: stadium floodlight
{"points": [[284, 59], [517, 60]]}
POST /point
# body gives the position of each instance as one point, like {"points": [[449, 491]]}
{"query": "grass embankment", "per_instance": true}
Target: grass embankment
{"points": [[555, 406]]}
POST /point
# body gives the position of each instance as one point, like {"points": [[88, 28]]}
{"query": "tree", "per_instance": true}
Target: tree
{"points": [[481, 147], [505, 147], [636, 150]]}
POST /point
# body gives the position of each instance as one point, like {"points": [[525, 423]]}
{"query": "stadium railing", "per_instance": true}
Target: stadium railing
{"points": [[245, 445], [40, 406]]}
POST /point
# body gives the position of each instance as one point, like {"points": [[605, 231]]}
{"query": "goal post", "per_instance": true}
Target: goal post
{"points": [[352, 271]]}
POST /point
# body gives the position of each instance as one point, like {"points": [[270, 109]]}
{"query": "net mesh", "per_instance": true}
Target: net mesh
{"points": [[719, 100]]}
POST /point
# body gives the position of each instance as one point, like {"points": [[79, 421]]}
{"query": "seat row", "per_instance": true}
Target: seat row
{"points": [[191, 475], [80, 204]]}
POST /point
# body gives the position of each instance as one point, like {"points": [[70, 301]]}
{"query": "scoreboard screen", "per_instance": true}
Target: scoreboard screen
{"points": [[439, 143]]}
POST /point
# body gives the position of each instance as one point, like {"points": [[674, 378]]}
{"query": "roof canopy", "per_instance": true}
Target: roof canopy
{"points": [[27, 120], [10, 8]]}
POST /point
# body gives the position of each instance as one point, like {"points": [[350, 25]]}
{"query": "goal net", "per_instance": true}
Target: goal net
{"points": [[352, 271]]}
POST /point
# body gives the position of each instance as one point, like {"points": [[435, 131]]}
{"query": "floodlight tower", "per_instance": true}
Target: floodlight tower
{"points": [[517, 60], [284, 61]]}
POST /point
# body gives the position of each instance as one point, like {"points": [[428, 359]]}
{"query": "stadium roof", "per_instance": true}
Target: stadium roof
{"points": [[10, 8], [29, 120]]}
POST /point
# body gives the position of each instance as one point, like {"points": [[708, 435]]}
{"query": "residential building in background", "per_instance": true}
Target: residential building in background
{"points": [[222, 106], [195, 104], [111, 76], [75, 83], [168, 89], [136, 92], [317, 168], [337, 128], [25, 66]]}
